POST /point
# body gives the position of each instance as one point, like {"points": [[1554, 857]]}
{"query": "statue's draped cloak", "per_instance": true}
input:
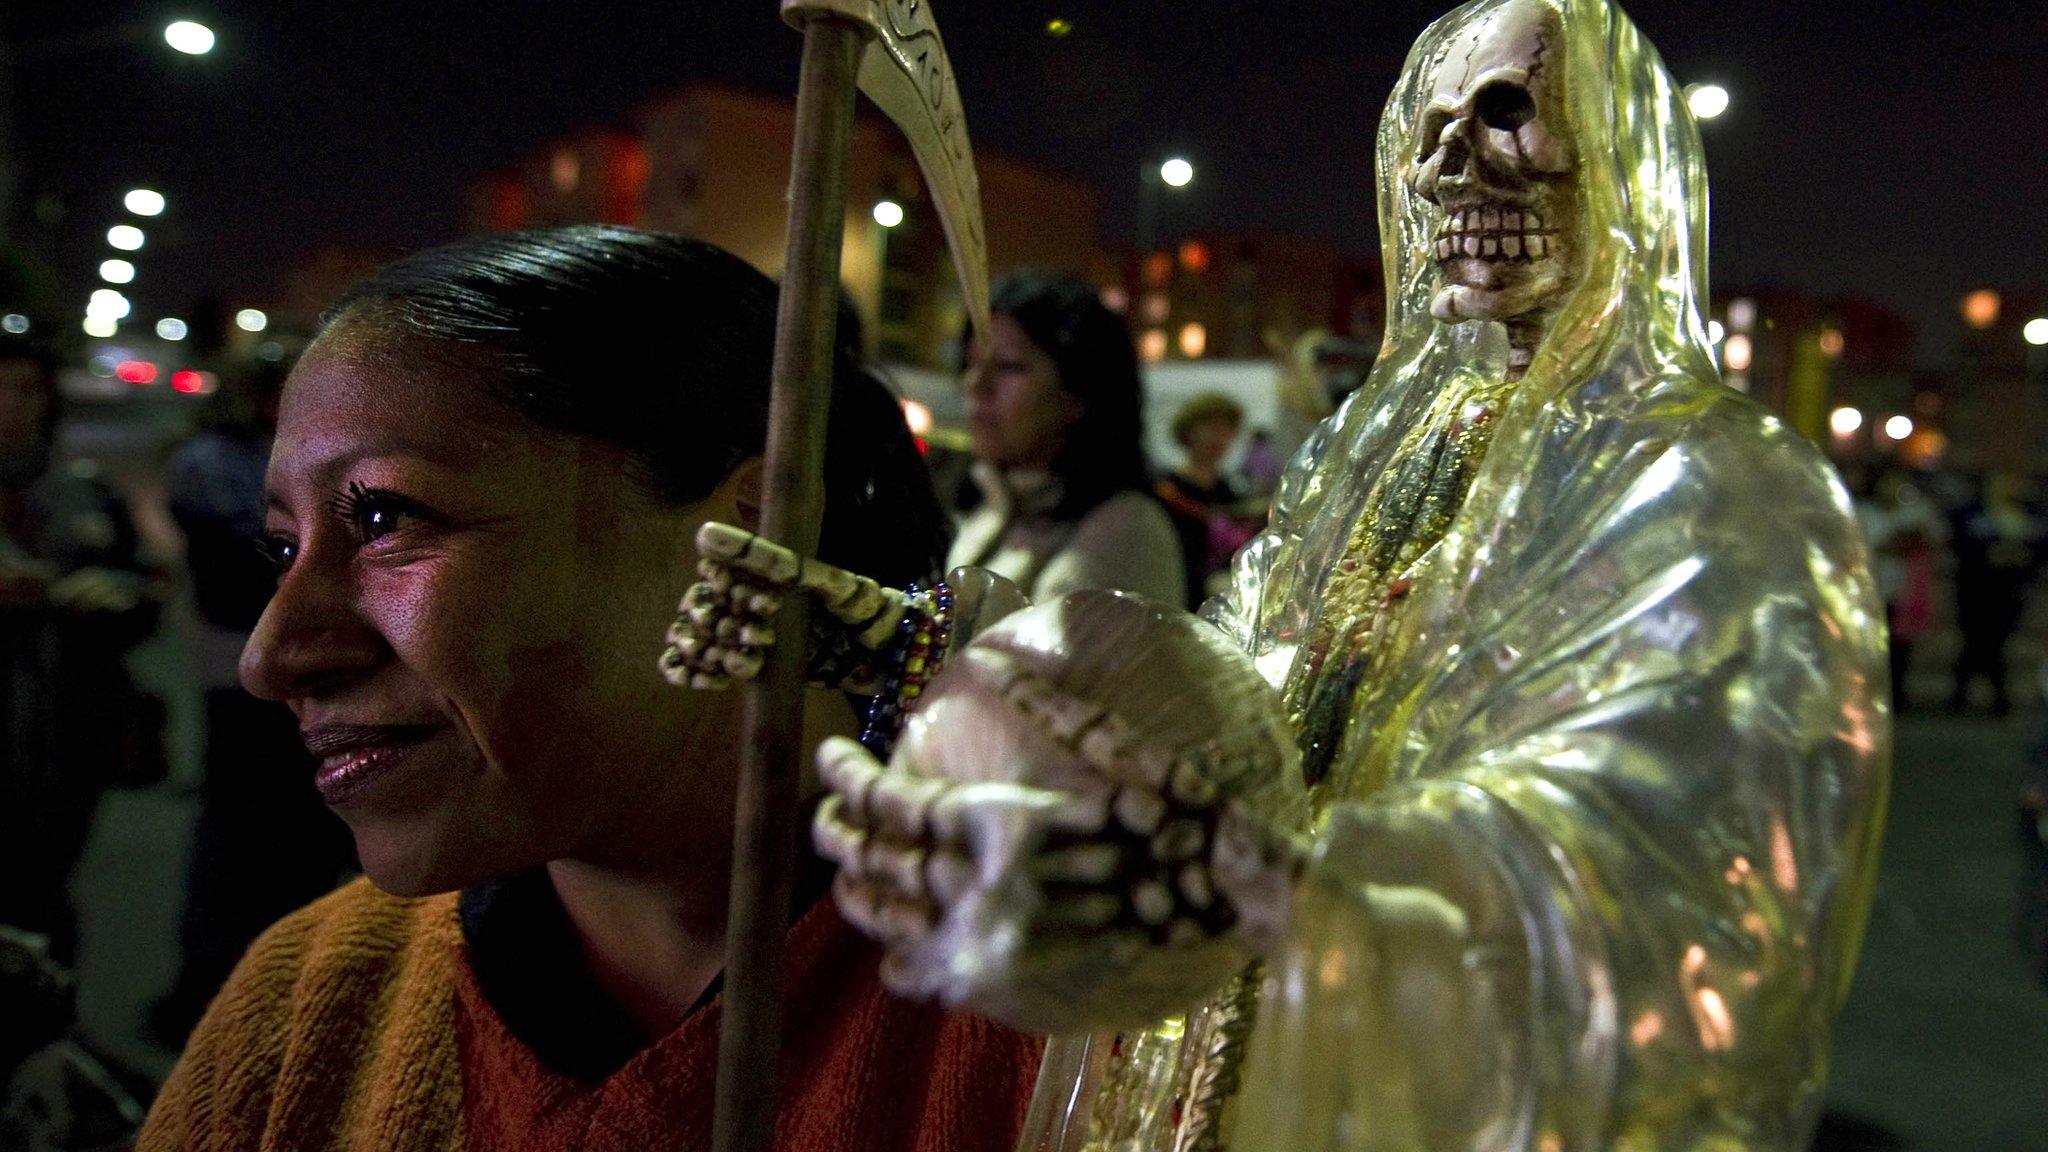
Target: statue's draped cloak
{"points": [[1592, 866]]}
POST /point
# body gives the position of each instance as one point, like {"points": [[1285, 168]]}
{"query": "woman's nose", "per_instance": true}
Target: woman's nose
{"points": [[311, 640]]}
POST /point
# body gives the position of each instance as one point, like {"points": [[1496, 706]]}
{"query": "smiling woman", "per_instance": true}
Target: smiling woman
{"points": [[482, 502]]}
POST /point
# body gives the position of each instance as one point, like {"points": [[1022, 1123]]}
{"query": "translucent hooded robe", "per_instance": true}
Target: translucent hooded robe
{"points": [[1595, 850]]}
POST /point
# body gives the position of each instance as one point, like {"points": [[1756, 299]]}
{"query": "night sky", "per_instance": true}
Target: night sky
{"points": [[1893, 150]]}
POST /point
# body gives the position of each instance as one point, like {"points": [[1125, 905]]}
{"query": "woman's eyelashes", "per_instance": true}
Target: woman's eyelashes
{"points": [[372, 514]]}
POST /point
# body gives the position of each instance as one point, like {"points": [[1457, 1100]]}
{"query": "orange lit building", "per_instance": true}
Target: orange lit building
{"points": [[1243, 297], [1803, 356], [2001, 382], [713, 162]]}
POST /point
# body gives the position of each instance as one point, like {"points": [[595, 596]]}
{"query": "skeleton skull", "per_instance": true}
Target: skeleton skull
{"points": [[1496, 155]]}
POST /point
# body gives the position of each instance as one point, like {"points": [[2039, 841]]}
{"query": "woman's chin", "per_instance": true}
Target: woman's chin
{"points": [[409, 862]]}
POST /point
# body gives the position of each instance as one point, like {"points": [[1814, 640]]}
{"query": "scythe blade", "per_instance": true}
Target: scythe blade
{"points": [[906, 73]]}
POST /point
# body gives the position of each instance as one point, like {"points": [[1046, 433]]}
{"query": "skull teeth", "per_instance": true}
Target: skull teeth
{"points": [[1493, 233]]}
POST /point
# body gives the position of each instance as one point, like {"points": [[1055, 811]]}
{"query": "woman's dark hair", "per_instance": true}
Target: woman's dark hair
{"points": [[1104, 452], [662, 346]]}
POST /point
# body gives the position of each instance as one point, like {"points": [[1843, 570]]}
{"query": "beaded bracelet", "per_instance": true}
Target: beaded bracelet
{"points": [[912, 659]]}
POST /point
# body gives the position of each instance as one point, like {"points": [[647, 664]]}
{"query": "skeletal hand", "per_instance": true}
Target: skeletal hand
{"points": [[726, 621], [1032, 855]]}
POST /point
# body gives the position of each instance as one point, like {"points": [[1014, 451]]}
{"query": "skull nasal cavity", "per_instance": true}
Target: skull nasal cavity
{"points": [[1505, 106]]}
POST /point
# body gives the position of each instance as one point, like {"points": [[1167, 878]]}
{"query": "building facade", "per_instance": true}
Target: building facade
{"points": [[713, 162]]}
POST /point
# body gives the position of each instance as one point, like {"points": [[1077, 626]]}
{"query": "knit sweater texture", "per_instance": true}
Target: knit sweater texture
{"points": [[357, 1023]]}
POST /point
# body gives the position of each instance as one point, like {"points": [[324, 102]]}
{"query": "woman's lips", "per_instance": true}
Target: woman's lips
{"points": [[353, 758]]}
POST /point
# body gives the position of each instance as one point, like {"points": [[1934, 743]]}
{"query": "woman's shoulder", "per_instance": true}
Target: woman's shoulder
{"points": [[1128, 514]]}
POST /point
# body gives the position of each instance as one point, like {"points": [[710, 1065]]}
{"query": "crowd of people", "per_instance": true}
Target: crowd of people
{"points": [[577, 925], [1980, 540]]}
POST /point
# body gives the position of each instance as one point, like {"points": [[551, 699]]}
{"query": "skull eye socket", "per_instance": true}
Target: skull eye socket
{"points": [[1504, 106]]}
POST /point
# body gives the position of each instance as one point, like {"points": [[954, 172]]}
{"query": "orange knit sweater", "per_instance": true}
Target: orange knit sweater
{"points": [[357, 1024]]}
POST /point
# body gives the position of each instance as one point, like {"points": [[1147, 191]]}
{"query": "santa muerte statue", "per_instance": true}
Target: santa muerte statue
{"points": [[1524, 791]]}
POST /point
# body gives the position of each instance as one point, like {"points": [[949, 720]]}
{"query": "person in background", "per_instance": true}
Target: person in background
{"points": [[1262, 465], [1054, 409], [1206, 504], [1903, 529], [1998, 552], [73, 600], [263, 843]]}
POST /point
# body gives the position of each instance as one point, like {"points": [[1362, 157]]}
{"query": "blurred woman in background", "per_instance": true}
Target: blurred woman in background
{"points": [[1054, 408]]}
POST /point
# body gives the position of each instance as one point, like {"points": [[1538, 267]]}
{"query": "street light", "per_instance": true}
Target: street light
{"points": [[1707, 101], [186, 36], [110, 304], [144, 202], [117, 271], [1176, 173], [126, 237], [888, 213], [172, 328], [1845, 422], [251, 320], [189, 37], [2036, 332]]}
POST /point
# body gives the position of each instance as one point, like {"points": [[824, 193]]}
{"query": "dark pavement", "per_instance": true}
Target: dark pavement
{"points": [[1945, 1037]]}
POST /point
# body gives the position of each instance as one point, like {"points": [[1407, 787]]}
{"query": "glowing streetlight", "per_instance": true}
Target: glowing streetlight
{"points": [[108, 303], [1177, 172], [1899, 427], [144, 202], [1737, 353], [14, 324], [2036, 332], [101, 327], [1981, 308], [171, 328], [126, 237], [251, 320], [1716, 331], [117, 271], [888, 213], [189, 37], [1707, 101], [1845, 422]]}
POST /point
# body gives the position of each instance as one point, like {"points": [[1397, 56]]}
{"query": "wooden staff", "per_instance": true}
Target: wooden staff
{"points": [[792, 510], [909, 78]]}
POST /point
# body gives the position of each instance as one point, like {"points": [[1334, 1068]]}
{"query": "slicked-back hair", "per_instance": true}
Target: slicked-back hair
{"points": [[661, 346]]}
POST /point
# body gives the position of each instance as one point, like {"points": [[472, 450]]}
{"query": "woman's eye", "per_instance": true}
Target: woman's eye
{"points": [[375, 519], [373, 514], [279, 550]]}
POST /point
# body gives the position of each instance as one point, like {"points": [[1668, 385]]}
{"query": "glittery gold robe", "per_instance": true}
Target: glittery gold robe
{"points": [[1596, 843]]}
